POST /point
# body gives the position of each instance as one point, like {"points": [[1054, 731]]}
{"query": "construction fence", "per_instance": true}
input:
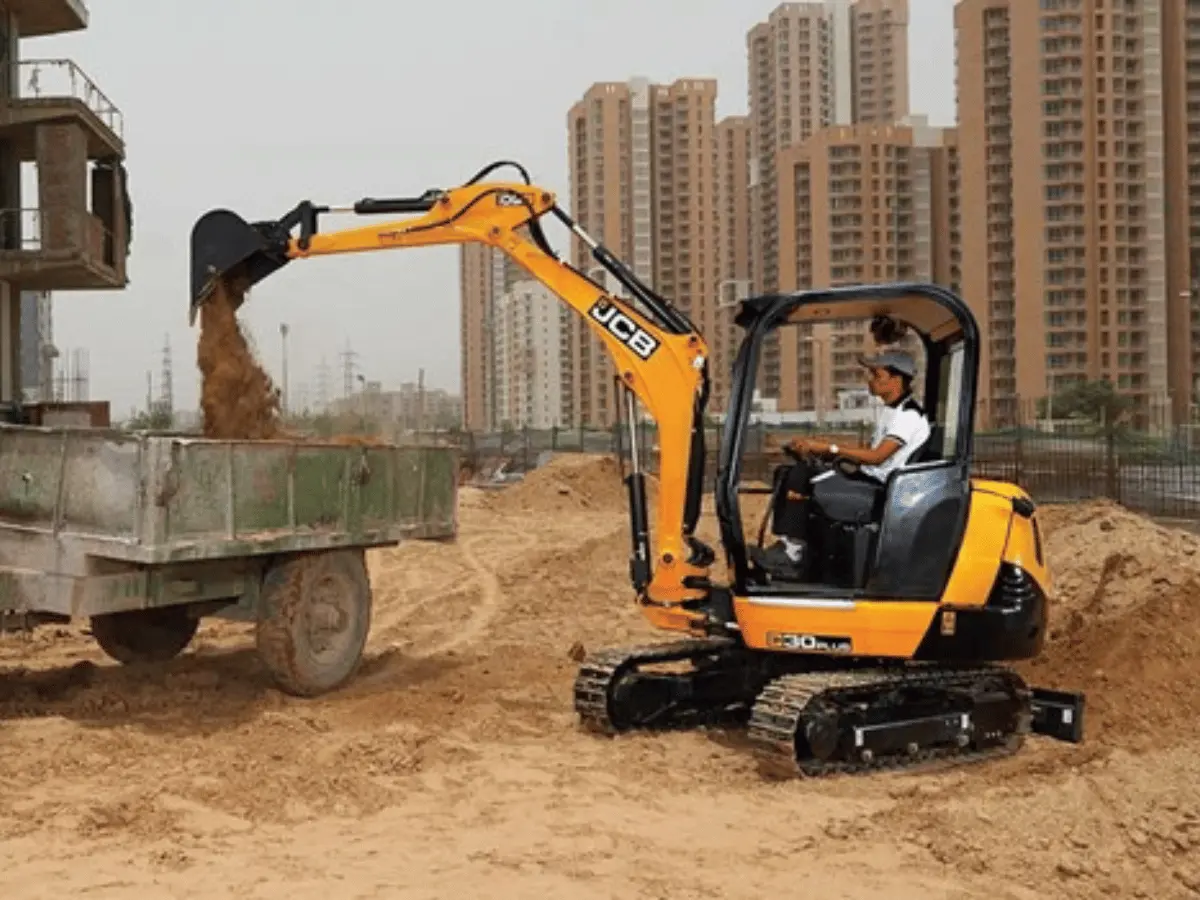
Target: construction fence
{"points": [[1157, 473]]}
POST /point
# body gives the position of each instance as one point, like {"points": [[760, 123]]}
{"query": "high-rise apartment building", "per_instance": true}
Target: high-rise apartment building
{"points": [[859, 204], [529, 357], [1072, 151], [611, 189], [812, 65], [643, 182], [484, 275], [684, 180], [475, 342], [1181, 133], [878, 33], [733, 260]]}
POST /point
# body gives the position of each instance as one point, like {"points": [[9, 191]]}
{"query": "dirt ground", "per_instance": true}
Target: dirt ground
{"points": [[453, 767]]}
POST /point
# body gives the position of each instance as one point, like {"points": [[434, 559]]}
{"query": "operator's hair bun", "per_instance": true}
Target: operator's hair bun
{"points": [[886, 330]]}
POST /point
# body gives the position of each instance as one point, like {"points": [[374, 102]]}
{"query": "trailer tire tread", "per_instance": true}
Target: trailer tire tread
{"points": [[283, 635], [153, 635]]}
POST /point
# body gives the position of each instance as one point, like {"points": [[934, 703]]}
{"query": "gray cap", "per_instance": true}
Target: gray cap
{"points": [[896, 360]]}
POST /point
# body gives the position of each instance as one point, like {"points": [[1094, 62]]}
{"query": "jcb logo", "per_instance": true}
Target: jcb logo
{"points": [[627, 331], [505, 198]]}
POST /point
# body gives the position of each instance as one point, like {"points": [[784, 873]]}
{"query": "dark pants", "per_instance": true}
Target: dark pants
{"points": [[793, 498]]}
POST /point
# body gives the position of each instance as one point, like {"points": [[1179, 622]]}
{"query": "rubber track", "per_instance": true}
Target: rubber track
{"points": [[600, 671], [777, 716]]}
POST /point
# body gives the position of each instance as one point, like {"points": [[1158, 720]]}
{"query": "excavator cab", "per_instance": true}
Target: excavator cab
{"points": [[895, 538]]}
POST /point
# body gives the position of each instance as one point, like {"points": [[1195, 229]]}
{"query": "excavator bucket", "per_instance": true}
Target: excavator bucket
{"points": [[227, 247]]}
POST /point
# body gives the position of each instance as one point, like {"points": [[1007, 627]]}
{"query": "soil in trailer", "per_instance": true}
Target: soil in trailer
{"points": [[239, 401]]}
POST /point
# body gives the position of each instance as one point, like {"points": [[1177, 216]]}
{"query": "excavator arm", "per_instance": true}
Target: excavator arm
{"points": [[659, 356]]}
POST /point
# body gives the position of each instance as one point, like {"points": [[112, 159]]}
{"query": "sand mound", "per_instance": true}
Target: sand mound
{"points": [[238, 399], [571, 481], [1137, 669], [1125, 622], [1107, 560]]}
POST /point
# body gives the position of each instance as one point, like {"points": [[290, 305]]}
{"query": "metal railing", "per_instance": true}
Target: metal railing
{"points": [[50, 78], [55, 228], [20, 229], [1156, 473]]}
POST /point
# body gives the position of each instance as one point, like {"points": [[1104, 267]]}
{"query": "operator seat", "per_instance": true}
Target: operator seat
{"points": [[851, 511], [857, 501], [849, 500], [843, 519]]}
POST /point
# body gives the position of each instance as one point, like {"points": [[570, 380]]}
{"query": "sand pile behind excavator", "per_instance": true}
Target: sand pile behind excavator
{"points": [[1125, 622], [569, 481]]}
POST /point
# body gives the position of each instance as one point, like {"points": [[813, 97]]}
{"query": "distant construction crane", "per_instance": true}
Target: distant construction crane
{"points": [[349, 369], [323, 385], [166, 388], [72, 377]]}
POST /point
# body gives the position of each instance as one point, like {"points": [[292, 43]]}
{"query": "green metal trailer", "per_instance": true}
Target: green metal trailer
{"points": [[145, 534]]}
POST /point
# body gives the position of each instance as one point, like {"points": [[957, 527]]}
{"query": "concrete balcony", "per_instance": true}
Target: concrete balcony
{"points": [[57, 90], [59, 250], [36, 18]]}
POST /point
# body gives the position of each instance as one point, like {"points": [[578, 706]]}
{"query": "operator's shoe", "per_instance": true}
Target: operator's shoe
{"points": [[776, 561]]}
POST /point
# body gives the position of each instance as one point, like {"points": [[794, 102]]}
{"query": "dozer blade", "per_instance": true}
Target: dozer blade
{"points": [[225, 246]]}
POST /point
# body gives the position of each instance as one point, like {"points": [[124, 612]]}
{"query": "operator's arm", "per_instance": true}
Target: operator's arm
{"points": [[864, 456], [905, 428]]}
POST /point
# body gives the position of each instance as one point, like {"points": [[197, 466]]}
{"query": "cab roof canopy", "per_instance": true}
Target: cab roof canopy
{"points": [[928, 309]]}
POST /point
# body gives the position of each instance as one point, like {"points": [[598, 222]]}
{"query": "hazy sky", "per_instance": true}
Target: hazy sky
{"points": [[255, 105]]}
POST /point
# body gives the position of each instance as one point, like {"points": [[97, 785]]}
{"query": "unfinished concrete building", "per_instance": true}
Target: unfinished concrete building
{"points": [[73, 234]]}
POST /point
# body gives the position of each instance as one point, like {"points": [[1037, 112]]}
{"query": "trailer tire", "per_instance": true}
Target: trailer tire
{"points": [[145, 635], [314, 616]]}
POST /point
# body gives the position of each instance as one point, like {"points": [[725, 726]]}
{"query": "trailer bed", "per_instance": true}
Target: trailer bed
{"points": [[154, 499]]}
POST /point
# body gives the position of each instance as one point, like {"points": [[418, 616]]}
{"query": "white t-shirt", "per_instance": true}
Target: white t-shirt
{"points": [[905, 422]]}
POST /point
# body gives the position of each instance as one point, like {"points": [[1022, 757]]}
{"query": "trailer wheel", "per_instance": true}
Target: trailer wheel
{"points": [[313, 618], [145, 635]]}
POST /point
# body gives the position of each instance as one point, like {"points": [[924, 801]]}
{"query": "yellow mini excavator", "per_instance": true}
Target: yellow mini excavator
{"points": [[892, 654]]}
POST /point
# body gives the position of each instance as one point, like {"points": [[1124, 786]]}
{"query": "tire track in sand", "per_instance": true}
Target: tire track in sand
{"points": [[470, 595], [512, 543], [491, 598]]}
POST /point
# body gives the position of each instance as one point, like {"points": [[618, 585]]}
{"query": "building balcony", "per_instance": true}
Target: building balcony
{"points": [[36, 18], [54, 90], [59, 249]]}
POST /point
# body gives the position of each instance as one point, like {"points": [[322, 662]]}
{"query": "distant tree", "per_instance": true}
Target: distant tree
{"points": [[156, 419], [1095, 401]]}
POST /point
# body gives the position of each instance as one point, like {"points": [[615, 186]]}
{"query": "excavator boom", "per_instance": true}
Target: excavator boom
{"points": [[659, 356]]}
